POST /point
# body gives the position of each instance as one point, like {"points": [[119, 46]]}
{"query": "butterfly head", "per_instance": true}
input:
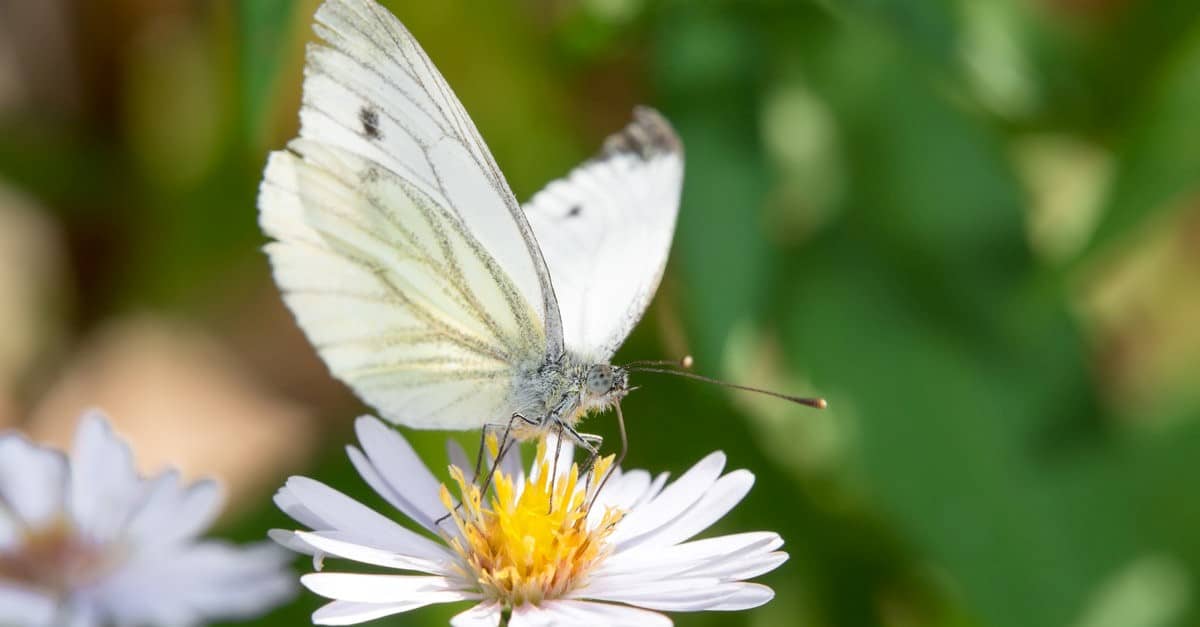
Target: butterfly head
{"points": [[605, 384]]}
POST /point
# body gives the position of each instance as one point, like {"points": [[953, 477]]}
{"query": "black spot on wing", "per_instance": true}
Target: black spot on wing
{"points": [[370, 122], [574, 211], [647, 136]]}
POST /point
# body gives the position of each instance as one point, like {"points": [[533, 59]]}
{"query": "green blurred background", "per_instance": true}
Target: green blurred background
{"points": [[973, 225]]}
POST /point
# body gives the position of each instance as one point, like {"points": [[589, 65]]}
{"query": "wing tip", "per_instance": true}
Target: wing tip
{"points": [[332, 13], [649, 135]]}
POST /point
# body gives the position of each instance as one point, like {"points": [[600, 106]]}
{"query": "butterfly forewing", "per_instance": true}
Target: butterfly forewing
{"points": [[399, 246], [372, 91], [390, 289]]}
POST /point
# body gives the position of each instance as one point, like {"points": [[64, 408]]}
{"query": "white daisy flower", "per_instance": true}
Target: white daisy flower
{"points": [[86, 542], [546, 553]]}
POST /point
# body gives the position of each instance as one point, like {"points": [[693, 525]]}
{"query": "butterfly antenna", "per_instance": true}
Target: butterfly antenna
{"points": [[685, 363], [817, 403]]}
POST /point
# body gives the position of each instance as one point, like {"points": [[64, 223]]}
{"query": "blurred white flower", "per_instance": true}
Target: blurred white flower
{"points": [[85, 541], [180, 397], [576, 563]]}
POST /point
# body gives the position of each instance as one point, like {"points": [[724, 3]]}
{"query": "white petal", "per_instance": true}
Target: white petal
{"points": [[104, 485], [727, 492], [612, 588], [672, 501], [80, 615], [564, 455], [400, 467], [154, 511], [33, 481], [170, 513], [371, 475], [653, 491], [692, 601], [198, 581], [12, 530], [352, 613], [290, 541], [198, 507], [627, 491], [511, 465], [292, 506], [707, 553], [680, 595], [19, 606], [485, 614], [360, 523], [747, 596], [533, 616], [458, 457], [743, 567], [590, 613], [727, 568], [330, 543], [366, 588], [621, 490]]}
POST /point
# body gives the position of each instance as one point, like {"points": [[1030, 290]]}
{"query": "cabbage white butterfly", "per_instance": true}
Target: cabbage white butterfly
{"points": [[424, 285]]}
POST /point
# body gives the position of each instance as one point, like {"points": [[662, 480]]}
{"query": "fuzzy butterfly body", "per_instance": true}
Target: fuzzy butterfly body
{"points": [[422, 282]]}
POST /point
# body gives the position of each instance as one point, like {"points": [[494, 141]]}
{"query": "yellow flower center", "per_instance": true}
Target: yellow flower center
{"points": [[530, 544]]}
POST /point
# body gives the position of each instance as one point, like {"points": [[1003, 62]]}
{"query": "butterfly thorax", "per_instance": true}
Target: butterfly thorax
{"points": [[565, 392]]}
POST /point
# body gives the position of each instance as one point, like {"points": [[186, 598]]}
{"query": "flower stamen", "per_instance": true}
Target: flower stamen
{"points": [[516, 546]]}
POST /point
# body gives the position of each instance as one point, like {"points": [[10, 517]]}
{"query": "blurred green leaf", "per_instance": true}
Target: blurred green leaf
{"points": [[959, 392], [709, 65], [264, 28], [1125, 48], [949, 442], [1158, 163], [928, 28], [936, 194]]}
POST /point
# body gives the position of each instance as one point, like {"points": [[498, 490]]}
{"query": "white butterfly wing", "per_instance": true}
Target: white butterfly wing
{"points": [[373, 91], [605, 231], [402, 303], [399, 246]]}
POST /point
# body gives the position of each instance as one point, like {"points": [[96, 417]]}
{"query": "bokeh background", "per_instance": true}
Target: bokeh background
{"points": [[973, 225]]}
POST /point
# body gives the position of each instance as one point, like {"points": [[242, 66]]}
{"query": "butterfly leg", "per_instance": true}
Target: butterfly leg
{"points": [[503, 442], [590, 442], [554, 465], [592, 446], [506, 444]]}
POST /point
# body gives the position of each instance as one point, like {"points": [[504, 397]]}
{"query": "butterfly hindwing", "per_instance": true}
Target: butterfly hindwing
{"points": [[605, 231]]}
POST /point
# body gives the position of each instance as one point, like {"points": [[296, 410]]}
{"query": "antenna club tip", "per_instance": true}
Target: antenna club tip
{"points": [[821, 404], [687, 362]]}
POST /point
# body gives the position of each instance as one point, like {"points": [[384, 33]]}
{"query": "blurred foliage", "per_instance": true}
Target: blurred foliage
{"points": [[974, 225]]}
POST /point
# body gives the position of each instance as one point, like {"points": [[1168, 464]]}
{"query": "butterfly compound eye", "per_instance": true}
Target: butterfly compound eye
{"points": [[599, 379]]}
